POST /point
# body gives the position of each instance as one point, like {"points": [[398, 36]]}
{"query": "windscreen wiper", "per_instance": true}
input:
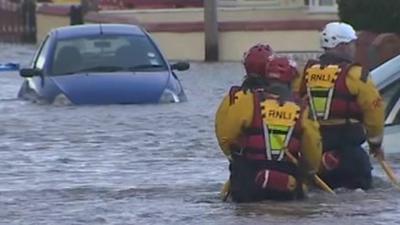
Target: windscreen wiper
{"points": [[102, 69], [145, 66]]}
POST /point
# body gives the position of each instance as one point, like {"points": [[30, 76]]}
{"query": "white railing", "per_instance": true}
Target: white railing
{"points": [[313, 5], [323, 6], [250, 3], [9, 6]]}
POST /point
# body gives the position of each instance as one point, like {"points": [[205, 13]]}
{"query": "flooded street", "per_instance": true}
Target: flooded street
{"points": [[147, 164]]}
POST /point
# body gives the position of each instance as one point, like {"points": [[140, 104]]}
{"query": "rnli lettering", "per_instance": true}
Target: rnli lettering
{"points": [[317, 77], [276, 114], [320, 77]]}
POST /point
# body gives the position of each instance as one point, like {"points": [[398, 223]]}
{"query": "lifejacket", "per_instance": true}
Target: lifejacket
{"points": [[274, 128], [328, 94]]}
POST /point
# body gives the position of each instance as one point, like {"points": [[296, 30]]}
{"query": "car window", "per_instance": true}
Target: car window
{"points": [[41, 56], [387, 72], [390, 95], [397, 118], [393, 107], [106, 53]]}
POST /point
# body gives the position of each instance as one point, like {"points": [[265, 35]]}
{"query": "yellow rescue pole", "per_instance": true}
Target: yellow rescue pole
{"points": [[225, 192], [317, 179], [389, 172]]}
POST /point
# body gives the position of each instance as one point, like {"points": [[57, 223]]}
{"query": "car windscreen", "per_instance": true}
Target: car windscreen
{"points": [[106, 53]]}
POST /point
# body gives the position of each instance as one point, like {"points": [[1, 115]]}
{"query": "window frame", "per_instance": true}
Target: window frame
{"points": [[396, 119], [393, 105], [43, 50], [315, 6]]}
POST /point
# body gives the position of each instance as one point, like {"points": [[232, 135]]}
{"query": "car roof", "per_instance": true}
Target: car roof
{"points": [[97, 29], [386, 73]]}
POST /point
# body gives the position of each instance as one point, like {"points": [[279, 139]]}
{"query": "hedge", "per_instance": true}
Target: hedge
{"points": [[379, 16]]}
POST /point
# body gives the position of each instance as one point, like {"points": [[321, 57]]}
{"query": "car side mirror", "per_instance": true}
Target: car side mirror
{"points": [[29, 72], [180, 66]]}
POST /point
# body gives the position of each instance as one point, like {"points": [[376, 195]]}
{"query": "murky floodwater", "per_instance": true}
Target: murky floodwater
{"points": [[151, 164]]}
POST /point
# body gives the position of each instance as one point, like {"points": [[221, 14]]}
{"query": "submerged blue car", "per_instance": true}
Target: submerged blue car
{"points": [[101, 64]]}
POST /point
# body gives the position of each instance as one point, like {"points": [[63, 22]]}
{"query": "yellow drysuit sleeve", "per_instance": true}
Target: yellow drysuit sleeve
{"points": [[311, 146], [230, 119], [296, 83], [371, 103]]}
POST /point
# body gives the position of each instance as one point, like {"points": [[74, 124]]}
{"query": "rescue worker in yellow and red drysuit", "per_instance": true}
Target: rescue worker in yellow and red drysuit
{"points": [[348, 107], [258, 123]]}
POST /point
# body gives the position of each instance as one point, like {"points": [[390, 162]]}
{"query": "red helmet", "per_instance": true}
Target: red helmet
{"points": [[281, 69], [256, 58]]}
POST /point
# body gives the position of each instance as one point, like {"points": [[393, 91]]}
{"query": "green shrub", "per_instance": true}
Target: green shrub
{"points": [[379, 16]]}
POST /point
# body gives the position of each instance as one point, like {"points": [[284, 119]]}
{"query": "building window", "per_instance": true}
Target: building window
{"points": [[327, 2], [322, 5]]}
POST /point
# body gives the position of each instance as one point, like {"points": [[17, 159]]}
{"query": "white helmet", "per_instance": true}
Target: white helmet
{"points": [[335, 33]]}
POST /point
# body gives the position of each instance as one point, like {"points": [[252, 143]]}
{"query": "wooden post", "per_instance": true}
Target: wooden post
{"points": [[89, 5], [75, 15], [211, 30], [28, 21]]}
